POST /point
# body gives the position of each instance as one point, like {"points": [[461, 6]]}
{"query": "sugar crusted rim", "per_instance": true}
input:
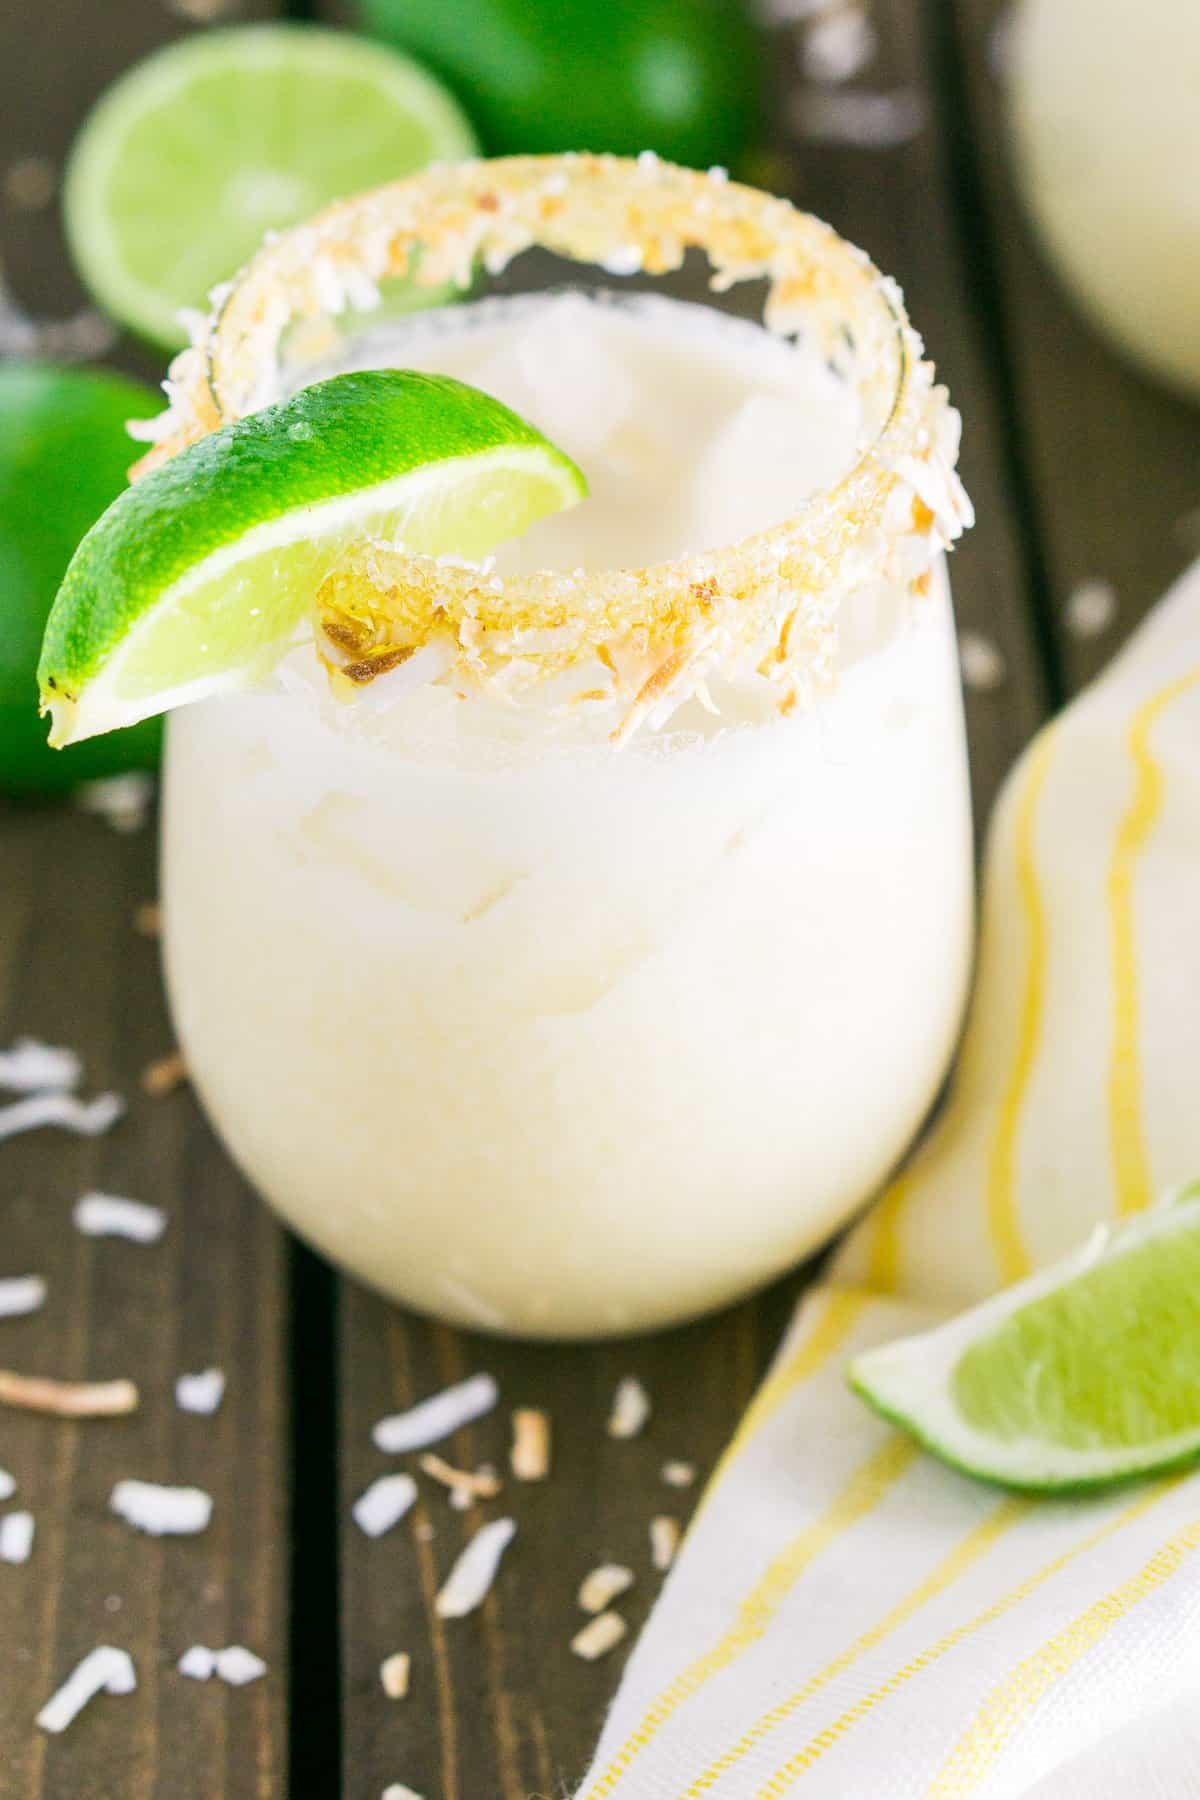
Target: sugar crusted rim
{"points": [[642, 639]]}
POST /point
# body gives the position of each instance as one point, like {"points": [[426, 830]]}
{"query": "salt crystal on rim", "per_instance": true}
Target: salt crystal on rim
{"points": [[8, 1485], [236, 1665], [197, 1663], [21, 1294], [664, 1541], [598, 1636], [530, 1454], [16, 1537], [1091, 608], [160, 1510], [384, 1504], [394, 1672], [201, 1393], [33, 1067], [630, 1409], [603, 1585], [86, 1118], [679, 1474], [104, 1670], [469, 1580], [436, 1417], [109, 1215]]}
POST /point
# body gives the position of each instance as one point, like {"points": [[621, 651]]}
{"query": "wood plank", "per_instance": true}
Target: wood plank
{"points": [[213, 1292], [1113, 459], [499, 1706]]}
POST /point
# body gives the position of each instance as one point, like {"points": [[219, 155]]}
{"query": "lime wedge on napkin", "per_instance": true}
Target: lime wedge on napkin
{"points": [[1085, 1374], [195, 580]]}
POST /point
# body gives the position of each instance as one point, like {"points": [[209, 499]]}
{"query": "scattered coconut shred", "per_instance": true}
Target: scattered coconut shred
{"points": [[21, 1294], [470, 1580], [465, 1485], [664, 1541], [16, 1537], [529, 1458], [235, 1665], [394, 1672], [8, 1485], [384, 1504], [200, 1393], [109, 1215], [147, 919], [599, 1636], [983, 665], [630, 1409], [164, 1075], [679, 1474], [161, 1511], [86, 1118], [122, 801], [396, 1790], [603, 1585], [436, 1417], [104, 1670], [67, 1399], [32, 1067], [1091, 608]]}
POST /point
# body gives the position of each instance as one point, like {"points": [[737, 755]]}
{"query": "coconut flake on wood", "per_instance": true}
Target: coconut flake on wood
{"points": [[32, 1067], [122, 801], [200, 1393], [630, 1409], [530, 1454], [983, 665], [396, 1790], [67, 1399], [86, 1118], [469, 1580], [598, 1636], [1091, 608], [664, 1541], [234, 1665], [436, 1417], [104, 1670], [198, 1663], [599, 1589], [8, 1485], [384, 1504], [21, 1294], [160, 1510], [465, 1485], [16, 1537], [164, 1075], [679, 1474], [394, 1672], [110, 1215]]}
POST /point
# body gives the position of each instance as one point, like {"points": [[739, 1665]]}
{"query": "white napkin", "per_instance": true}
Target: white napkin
{"points": [[847, 1617]]}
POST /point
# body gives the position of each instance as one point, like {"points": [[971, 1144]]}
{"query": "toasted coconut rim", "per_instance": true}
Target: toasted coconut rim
{"points": [[642, 638]]}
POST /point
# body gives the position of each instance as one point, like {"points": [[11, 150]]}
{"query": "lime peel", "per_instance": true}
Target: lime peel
{"points": [[1086, 1374]]}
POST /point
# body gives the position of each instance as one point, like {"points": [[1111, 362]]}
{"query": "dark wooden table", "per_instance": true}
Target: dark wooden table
{"points": [[1079, 468]]}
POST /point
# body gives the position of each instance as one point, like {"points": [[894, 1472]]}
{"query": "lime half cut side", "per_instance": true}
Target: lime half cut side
{"points": [[1083, 1375], [191, 157], [196, 580]]}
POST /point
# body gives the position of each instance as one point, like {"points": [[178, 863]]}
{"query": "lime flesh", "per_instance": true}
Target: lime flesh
{"points": [[199, 150], [1086, 1374], [196, 579]]}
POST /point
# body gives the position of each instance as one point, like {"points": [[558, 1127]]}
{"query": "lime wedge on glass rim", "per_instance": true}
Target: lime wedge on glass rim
{"points": [[196, 579], [213, 140], [1083, 1375]]}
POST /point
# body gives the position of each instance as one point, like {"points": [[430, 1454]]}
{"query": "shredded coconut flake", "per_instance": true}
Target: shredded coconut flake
{"points": [[67, 1399], [21, 1294], [839, 44], [630, 1409], [237, 1665], [437, 1417], [16, 1537], [469, 1580], [162, 1511], [198, 1663], [86, 1118], [598, 1636], [983, 665], [32, 1067], [147, 920], [1091, 608], [8, 1485], [396, 1790], [102, 1671], [200, 1393], [384, 1504], [664, 1541], [465, 1484], [164, 1075], [394, 1674], [603, 1585], [879, 121], [122, 801], [530, 1455], [679, 1474], [109, 1215]]}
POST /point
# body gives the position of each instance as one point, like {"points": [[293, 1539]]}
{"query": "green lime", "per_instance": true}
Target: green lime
{"points": [[202, 148], [195, 580], [63, 456], [681, 77], [1085, 1374]]}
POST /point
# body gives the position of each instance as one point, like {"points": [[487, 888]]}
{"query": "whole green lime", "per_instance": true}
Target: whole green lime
{"points": [[681, 77], [64, 454]]}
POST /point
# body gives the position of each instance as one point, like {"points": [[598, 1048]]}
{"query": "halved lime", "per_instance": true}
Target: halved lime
{"points": [[1083, 1375], [193, 155], [196, 579]]}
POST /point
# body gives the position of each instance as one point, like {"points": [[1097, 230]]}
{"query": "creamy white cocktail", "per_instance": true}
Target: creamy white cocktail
{"points": [[556, 1015]]}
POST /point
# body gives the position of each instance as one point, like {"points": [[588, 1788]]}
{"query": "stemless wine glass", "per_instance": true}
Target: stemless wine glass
{"points": [[536, 993]]}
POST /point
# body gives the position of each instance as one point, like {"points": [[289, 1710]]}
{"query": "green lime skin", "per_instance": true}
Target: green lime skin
{"points": [[64, 453], [684, 78]]}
